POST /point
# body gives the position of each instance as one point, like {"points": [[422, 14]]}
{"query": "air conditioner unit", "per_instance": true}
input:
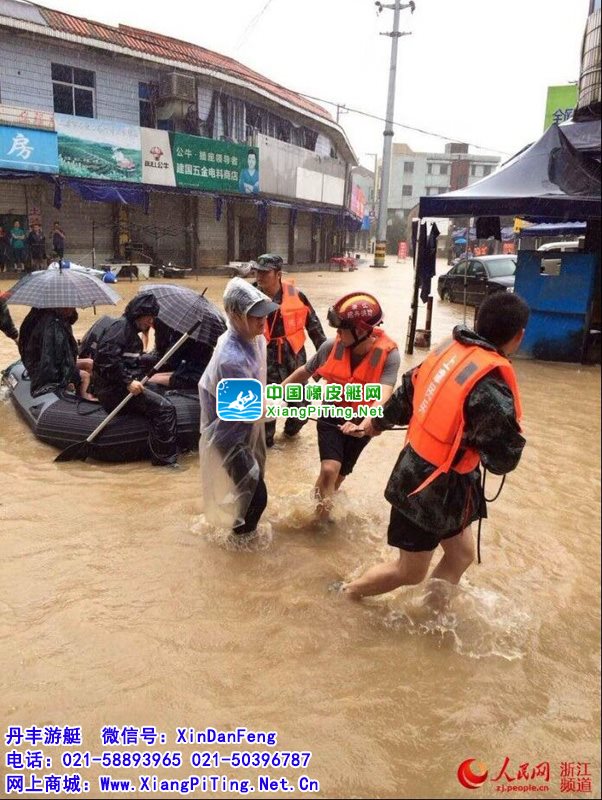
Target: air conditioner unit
{"points": [[174, 85]]}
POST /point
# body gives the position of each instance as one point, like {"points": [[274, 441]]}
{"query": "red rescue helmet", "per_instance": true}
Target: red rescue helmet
{"points": [[357, 311]]}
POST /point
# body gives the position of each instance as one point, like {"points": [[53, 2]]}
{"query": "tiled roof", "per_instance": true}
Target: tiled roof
{"points": [[154, 44]]}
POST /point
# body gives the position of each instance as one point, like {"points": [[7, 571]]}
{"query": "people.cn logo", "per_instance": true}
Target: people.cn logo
{"points": [[468, 777]]}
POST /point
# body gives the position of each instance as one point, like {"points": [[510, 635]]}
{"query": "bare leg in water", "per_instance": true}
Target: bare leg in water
{"points": [[411, 569]]}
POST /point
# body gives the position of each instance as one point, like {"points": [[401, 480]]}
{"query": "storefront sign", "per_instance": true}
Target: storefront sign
{"points": [[157, 160], [26, 118], [560, 104], [95, 148], [358, 201], [27, 149], [208, 164]]}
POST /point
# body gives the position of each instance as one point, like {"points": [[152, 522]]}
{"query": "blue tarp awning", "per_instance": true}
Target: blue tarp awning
{"points": [[554, 229], [107, 192]]}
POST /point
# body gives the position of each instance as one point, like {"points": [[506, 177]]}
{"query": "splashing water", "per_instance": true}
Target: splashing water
{"points": [[473, 621], [261, 539], [349, 515]]}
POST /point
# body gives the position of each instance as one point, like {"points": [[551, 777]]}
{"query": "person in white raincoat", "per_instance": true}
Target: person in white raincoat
{"points": [[232, 453]]}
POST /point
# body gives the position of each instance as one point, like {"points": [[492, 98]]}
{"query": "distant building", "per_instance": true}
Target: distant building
{"points": [[415, 175]]}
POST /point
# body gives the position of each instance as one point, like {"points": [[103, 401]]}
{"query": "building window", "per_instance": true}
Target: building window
{"points": [[73, 90], [408, 167], [487, 169], [431, 190], [443, 169], [429, 169], [473, 170], [406, 191], [145, 103], [443, 189]]}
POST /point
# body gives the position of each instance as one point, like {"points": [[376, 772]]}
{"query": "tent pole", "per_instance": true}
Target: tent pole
{"points": [[466, 268], [413, 319]]}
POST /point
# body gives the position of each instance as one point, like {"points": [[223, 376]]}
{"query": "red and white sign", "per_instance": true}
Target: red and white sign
{"points": [[26, 118], [358, 202], [402, 250]]}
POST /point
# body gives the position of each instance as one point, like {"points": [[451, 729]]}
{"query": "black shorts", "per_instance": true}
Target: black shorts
{"points": [[406, 535], [337, 446]]}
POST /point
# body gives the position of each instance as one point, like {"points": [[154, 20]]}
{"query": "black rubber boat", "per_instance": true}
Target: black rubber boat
{"points": [[61, 419]]}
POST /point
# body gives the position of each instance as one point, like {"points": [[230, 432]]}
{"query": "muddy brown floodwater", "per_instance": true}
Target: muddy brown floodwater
{"points": [[116, 611]]}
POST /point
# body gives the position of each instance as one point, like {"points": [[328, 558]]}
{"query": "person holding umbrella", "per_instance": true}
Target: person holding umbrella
{"points": [[118, 369], [7, 326], [46, 341], [179, 308], [49, 352]]}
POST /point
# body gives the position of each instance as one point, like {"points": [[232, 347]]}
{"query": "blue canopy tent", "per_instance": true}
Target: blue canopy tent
{"points": [[554, 180], [551, 179]]}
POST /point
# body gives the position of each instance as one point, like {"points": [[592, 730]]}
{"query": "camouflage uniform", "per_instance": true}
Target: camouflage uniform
{"points": [[282, 361]]}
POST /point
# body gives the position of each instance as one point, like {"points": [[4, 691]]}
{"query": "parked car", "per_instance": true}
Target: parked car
{"points": [[477, 278], [551, 261]]}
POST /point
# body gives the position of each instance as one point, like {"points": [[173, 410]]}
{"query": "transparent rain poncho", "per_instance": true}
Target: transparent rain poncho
{"points": [[232, 453]]}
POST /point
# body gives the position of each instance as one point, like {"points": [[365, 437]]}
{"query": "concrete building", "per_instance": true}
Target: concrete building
{"points": [[148, 140], [415, 175]]}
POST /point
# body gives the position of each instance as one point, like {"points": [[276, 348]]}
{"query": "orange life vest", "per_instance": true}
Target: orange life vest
{"points": [[337, 367], [294, 314], [441, 386]]}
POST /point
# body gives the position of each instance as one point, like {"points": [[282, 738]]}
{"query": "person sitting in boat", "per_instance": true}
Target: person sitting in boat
{"points": [[118, 369], [7, 326], [185, 368], [89, 343], [49, 352]]}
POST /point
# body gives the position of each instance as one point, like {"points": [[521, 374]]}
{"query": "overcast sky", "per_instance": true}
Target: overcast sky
{"points": [[472, 70]]}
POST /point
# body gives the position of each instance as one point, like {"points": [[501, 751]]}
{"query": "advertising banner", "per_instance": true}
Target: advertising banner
{"points": [[96, 148], [208, 164], [157, 160], [28, 149], [560, 104], [26, 118], [358, 201]]}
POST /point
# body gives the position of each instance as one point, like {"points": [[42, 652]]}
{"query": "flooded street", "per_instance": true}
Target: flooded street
{"points": [[116, 610]]}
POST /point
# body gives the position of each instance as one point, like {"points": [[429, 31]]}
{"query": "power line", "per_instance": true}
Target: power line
{"points": [[401, 125], [252, 24]]}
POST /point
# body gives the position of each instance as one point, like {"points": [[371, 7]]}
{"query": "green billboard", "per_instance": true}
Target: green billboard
{"points": [[560, 104], [211, 164]]}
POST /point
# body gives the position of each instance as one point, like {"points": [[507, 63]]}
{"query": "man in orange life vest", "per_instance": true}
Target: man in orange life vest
{"points": [[362, 354], [285, 331], [463, 409]]}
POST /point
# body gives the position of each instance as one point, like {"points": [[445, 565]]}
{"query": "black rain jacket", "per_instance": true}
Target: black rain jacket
{"points": [[453, 500]]}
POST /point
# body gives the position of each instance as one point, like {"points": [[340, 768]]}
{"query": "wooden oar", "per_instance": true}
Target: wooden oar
{"points": [[80, 450]]}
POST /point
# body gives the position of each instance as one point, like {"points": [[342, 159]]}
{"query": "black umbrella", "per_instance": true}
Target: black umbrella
{"points": [[51, 288], [180, 308]]}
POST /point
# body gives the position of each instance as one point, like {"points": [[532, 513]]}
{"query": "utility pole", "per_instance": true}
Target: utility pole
{"points": [[381, 234], [341, 109], [374, 188]]}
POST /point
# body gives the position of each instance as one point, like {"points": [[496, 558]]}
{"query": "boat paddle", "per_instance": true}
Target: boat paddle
{"points": [[80, 450]]}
